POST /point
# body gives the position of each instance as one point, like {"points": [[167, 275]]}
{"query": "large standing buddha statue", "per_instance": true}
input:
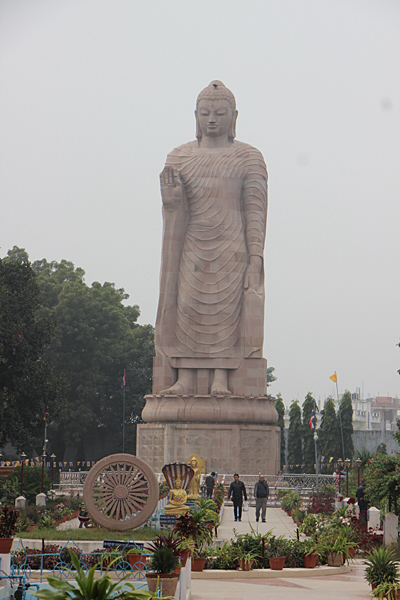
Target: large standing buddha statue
{"points": [[211, 306]]}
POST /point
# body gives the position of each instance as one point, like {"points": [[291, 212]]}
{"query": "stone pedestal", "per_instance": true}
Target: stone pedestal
{"points": [[227, 447], [20, 502], [41, 499], [390, 533]]}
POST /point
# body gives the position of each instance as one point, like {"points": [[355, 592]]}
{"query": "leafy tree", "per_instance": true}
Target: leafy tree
{"points": [[365, 456], [308, 434], [345, 421], [382, 448], [383, 480], [329, 436], [96, 339], [280, 409], [295, 438], [29, 386], [270, 376]]}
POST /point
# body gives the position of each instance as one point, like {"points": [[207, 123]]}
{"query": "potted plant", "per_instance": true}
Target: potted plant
{"points": [[185, 548], [386, 590], [246, 559], [382, 567], [136, 558], [8, 520], [310, 553], [211, 518], [276, 552], [89, 588], [163, 563], [339, 551]]}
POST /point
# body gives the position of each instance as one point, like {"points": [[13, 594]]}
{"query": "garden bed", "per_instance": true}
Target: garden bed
{"points": [[268, 573]]}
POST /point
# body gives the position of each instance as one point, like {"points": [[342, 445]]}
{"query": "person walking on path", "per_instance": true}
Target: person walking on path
{"points": [[237, 490], [362, 503], [210, 482], [261, 493]]}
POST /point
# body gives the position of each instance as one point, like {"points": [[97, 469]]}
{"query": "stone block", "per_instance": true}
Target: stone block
{"points": [[227, 448], [390, 533]]}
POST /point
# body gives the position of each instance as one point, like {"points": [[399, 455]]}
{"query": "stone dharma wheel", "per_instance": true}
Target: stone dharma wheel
{"points": [[120, 492]]}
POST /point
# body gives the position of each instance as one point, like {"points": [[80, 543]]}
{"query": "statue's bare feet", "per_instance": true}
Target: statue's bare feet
{"points": [[177, 390], [183, 385], [219, 390], [219, 385]]}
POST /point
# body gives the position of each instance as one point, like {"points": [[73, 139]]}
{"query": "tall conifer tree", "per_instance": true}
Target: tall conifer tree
{"points": [[329, 442], [295, 439], [280, 408], [345, 418], [308, 434]]}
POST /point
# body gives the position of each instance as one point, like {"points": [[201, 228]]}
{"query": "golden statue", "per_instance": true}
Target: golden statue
{"points": [[177, 500], [199, 467]]}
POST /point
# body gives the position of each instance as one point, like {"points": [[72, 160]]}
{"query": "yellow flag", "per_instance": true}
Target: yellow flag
{"points": [[334, 377], [331, 459]]}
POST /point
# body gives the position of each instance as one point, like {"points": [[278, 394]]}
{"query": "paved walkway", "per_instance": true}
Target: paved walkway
{"points": [[351, 586], [277, 520]]}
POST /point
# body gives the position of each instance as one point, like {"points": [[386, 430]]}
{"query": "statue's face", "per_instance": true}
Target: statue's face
{"points": [[193, 462], [214, 117], [178, 483]]}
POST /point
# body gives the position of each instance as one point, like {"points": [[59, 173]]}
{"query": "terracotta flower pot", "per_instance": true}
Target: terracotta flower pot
{"points": [[5, 545], [310, 560], [184, 556], [168, 581], [198, 564], [245, 566], [335, 559], [276, 563], [352, 552], [136, 561]]}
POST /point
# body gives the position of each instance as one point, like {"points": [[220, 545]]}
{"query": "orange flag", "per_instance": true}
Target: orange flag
{"points": [[334, 377]]}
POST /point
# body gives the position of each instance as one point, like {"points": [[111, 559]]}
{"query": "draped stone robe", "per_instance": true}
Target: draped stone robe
{"points": [[207, 241]]}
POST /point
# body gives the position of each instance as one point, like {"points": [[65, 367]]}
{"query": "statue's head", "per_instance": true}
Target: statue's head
{"points": [[218, 101], [178, 483], [193, 462]]}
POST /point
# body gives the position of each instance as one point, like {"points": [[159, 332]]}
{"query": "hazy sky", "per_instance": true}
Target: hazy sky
{"points": [[94, 94]]}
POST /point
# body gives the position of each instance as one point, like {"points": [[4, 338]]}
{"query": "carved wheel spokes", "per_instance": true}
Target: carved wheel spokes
{"points": [[120, 492]]}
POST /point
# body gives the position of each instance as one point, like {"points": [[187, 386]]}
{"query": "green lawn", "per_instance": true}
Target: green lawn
{"points": [[89, 534]]}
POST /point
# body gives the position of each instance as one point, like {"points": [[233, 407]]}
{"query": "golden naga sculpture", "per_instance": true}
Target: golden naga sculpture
{"points": [[177, 500], [178, 477]]}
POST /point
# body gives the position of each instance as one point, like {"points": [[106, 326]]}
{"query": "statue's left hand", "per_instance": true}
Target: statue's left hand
{"points": [[252, 275]]}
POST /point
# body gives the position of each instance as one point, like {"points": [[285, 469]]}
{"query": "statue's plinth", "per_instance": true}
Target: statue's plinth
{"points": [[167, 408], [233, 433]]}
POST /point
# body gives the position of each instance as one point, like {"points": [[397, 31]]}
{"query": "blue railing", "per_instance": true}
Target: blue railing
{"points": [[58, 563]]}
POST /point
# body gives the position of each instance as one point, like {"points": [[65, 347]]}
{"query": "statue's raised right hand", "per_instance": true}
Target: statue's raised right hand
{"points": [[171, 188]]}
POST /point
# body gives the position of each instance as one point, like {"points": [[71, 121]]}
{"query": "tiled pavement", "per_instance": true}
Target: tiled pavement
{"points": [[330, 587]]}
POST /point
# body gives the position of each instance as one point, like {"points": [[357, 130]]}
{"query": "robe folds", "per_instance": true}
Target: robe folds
{"points": [[207, 241]]}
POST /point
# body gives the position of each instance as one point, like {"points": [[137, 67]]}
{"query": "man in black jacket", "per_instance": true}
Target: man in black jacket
{"points": [[210, 482], [261, 493], [237, 490]]}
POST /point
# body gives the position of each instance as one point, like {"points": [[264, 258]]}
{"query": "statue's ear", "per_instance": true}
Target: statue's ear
{"points": [[232, 132], [198, 130]]}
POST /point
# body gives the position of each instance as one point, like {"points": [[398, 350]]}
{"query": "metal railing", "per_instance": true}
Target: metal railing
{"points": [[24, 561]]}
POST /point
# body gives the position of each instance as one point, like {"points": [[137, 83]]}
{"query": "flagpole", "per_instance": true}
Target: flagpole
{"points": [[316, 448], [340, 416], [123, 414]]}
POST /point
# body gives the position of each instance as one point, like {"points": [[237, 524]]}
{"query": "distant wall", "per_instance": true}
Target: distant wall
{"points": [[370, 440]]}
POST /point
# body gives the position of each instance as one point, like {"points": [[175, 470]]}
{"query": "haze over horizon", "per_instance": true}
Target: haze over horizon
{"points": [[94, 95]]}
